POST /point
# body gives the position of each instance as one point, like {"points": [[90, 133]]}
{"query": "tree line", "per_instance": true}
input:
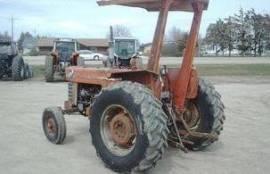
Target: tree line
{"points": [[5, 36], [246, 33]]}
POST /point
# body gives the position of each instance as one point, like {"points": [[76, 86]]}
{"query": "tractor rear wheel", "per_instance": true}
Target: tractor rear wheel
{"points": [[205, 114], [49, 70], [31, 73], [128, 127], [54, 125], [26, 71], [18, 68]]}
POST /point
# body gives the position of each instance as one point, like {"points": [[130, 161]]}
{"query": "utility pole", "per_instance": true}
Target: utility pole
{"points": [[12, 20], [12, 28]]}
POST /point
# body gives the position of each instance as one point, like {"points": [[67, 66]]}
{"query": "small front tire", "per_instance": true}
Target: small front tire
{"points": [[54, 125]]}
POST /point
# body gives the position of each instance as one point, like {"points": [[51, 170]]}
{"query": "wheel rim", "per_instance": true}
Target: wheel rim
{"points": [[51, 127], [118, 130], [22, 72], [192, 116]]}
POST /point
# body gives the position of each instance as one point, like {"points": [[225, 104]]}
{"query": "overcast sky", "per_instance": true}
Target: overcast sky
{"points": [[83, 18]]}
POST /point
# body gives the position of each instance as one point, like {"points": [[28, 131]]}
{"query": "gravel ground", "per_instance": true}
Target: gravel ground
{"points": [[243, 146]]}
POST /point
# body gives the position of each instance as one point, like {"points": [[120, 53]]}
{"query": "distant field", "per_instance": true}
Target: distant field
{"points": [[235, 70], [209, 70], [207, 66], [39, 70], [39, 60]]}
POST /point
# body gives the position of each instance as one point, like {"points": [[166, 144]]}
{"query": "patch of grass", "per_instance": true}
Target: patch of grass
{"points": [[232, 69], [235, 70], [208, 70], [39, 70]]}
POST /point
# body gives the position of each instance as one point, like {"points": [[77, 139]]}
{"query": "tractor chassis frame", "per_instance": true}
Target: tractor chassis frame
{"points": [[180, 84]]}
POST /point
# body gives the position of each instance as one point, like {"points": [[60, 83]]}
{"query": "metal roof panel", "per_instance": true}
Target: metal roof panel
{"points": [[154, 5]]}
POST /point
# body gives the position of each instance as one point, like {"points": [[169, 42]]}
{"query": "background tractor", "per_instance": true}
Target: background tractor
{"points": [[64, 54], [135, 113], [11, 63], [123, 52]]}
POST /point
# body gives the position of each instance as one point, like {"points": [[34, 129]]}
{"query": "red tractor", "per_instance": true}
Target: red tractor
{"points": [[135, 113], [64, 54]]}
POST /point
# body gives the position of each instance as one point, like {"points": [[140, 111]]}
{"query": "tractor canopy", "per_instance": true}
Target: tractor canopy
{"points": [[155, 5]]}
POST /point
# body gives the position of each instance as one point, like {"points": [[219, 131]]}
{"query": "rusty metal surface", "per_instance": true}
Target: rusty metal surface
{"points": [[155, 5], [118, 130], [191, 115], [190, 131], [182, 83], [184, 74], [68, 105], [105, 76], [55, 57], [51, 126], [193, 85], [153, 62], [122, 129], [172, 77], [90, 76]]}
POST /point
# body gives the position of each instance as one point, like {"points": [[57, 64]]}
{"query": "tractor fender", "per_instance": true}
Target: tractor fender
{"points": [[55, 57], [74, 58]]}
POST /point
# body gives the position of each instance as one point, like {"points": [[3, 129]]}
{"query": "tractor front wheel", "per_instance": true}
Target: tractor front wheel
{"points": [[49, 69], [128, 127], [54, 125]]}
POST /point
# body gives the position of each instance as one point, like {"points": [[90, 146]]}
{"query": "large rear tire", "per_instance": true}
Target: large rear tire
{"points": [[26, 71], [211, 113], [18, 68], [49, 69], [149, 121], [31, 73]]}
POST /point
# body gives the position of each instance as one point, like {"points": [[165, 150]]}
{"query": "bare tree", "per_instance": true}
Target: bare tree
{"points": [[230, 35], [258, 27], [216, 36], [5, 36], [246, 31], [175, 42], [121, 31]]}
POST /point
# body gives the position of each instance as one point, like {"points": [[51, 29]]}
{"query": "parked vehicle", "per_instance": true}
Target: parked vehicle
{"points": [[122, 51], [135, 113], [12, 64], [90, 55]]}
